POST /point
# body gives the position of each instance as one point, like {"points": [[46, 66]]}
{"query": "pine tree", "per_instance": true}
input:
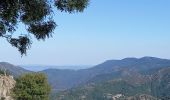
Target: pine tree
{"points": [[36, 16]]}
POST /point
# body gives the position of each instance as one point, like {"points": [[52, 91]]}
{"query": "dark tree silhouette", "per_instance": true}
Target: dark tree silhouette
{"points": [[36, 16]]}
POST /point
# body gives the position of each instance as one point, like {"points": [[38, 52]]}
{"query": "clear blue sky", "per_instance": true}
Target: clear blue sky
{"points": [[108, 29]]}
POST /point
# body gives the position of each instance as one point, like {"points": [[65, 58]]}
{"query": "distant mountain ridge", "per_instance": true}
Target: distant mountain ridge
{"points": [[133, 74], [66, 79], [37, 68], [138, 69], [157, 87], [12, 69]]}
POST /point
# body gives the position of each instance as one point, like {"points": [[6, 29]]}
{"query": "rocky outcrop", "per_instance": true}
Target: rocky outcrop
{"points": [[6, 84], [117, 96]]}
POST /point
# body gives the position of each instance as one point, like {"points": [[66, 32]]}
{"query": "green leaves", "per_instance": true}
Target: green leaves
{"points": [[71, 5], [33, 86], [22, 43], [2, 29], [9, 10], [34, 10], [42, 30], [35, 15]]}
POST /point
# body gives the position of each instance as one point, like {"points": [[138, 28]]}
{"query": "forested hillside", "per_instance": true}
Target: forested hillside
{"points": [[137, 70], [157, 87]]}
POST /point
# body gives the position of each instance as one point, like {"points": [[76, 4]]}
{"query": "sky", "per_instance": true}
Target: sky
{"points": [[107, 29]]}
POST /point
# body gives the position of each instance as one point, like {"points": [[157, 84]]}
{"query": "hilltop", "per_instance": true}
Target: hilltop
{"points": [[138, 67]]}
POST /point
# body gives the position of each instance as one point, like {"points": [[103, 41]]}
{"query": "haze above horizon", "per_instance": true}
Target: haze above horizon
{"points": [[114, 29]]}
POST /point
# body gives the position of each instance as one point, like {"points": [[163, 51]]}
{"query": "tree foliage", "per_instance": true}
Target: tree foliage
{"points": [[36, 16], [5, 72], [32, 86]]}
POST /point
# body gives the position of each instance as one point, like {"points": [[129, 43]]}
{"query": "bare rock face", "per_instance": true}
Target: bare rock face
{"points": [[6, 84]]}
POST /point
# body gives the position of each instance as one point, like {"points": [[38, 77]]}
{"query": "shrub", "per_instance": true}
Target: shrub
{"points": [[32, 86]]}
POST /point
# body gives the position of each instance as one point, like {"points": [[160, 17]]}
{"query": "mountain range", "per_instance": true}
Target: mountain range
{"points": [[132, 77], [156, 88], [12, 69], [146, 78], [66, 79]]}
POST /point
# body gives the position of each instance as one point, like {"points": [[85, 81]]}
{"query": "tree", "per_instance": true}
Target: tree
{"points": [[33, 86], [36, 16]]}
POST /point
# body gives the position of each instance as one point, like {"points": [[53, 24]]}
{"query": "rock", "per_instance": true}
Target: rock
{"points": [[6, 84]]}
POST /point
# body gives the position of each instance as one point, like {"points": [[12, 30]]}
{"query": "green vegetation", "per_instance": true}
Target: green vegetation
{"points": [[2, 72], [103, 91], [154, 89], [37, 22], [33, 86], [133, 70], [161, 86], [102, 83]]}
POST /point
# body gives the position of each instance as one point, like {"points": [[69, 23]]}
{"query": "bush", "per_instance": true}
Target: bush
{"points": [[32, 86]]}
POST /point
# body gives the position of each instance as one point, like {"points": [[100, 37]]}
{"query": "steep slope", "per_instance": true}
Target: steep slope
{"points": [[13, 70], [130, 76], [160, 84], [61, 79], [103, 91], [157, 88]]}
